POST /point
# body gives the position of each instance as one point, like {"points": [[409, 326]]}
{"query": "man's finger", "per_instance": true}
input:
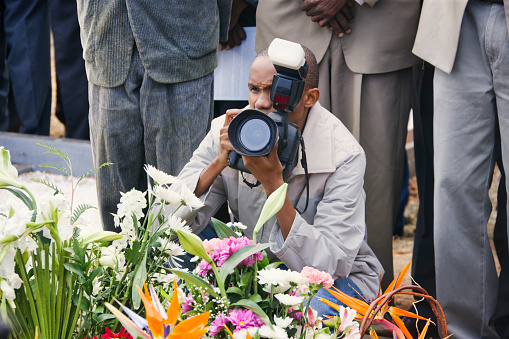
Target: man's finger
{"points": [[305, 5], [340, 18], [335, 26], [347, 12]]}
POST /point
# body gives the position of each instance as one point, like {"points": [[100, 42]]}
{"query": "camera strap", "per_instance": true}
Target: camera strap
{"points": [[250, 185], [304, 163]]}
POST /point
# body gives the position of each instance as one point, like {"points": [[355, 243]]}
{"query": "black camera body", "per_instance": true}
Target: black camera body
{"points": [[254, 133], [286, 151]]}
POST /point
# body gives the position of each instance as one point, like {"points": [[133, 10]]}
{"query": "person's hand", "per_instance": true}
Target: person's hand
{"points": [[335, 14], [224, 141], [235, 37], [235, 33], [267, 169]]}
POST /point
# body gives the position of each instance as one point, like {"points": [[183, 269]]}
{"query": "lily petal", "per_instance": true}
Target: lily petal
{"points": [[130, 326], [174, 309]]}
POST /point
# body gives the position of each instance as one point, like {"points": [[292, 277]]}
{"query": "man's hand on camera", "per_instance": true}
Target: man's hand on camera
{"points": [[267, 169], [224, 141], [335, 14]]}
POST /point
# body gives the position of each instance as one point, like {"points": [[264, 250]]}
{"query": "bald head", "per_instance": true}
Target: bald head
{"points": [[311, 80]]}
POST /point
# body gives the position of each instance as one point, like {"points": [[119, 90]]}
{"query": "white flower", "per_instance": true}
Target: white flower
{"points": [[132, 202], [282, 322], [56, 203], [168, 196], [242, 334], [274, 277], [169, 247], [16, 224], [176, 224], [275, 333], [112, 257], [238, 225], [97, 287], [324, 336], [8, 172], [159, 176], [189, 199], [297, 278], [7, 290], [289, 300], [165, 280], [347, 316]]}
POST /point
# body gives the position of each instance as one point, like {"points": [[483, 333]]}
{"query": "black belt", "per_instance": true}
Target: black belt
{"points": [[500, 2]]}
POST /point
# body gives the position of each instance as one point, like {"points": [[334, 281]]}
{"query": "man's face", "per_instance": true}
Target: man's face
{"points": [[260, 84]]}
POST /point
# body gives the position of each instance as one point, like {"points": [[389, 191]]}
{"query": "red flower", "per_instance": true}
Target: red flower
{"points": [[110, 335]]}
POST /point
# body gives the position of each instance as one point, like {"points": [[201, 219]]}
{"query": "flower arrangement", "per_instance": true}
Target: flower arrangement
{"points": [[56, 283]]}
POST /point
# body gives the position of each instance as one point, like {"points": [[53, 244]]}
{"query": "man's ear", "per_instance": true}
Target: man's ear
{"points": [[311, 96]]}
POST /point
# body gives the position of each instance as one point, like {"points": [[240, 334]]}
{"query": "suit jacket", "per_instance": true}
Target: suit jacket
{"points": [[177, 39], [439, 31], [383, 32]]}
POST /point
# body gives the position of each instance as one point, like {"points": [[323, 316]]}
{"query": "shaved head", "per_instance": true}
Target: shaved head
{"points": [[311, 80]]}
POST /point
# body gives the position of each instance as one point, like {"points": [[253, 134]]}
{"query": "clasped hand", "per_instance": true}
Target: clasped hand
{"points": [[335, 14]]}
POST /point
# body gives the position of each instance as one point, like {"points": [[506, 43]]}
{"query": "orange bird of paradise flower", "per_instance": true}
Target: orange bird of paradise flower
{"points": [[160, 324], [362, 308]]}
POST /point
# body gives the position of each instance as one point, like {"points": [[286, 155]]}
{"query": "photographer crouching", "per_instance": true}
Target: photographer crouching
{"points": [[247, 156]]}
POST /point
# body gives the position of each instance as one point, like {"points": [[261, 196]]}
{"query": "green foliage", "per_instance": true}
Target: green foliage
{"points": [[48, 184], [92, 171], [223, 230], [79, 211]]}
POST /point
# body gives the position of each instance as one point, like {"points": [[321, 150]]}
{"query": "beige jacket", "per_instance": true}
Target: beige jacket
{"points": [[439, 31], [382, 35], [331, 234]]}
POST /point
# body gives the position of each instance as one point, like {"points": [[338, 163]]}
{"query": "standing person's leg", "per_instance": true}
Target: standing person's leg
{"points": [[382, 105], [500, 76], [26, 25], [116, 134], [70, 67], [464, 125], [4, 75], [423, 258], [176, 118], [385, 108]]}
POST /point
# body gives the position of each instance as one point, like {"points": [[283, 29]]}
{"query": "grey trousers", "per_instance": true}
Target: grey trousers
{"points": [[375, 108], [467, 104], [144, 122]]}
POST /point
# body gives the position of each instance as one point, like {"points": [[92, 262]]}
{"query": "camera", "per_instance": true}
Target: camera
{"points": [[254, 133]]}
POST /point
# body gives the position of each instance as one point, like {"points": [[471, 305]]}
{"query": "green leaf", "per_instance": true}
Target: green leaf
{"points": [[236, 290], [48, 184], [273, 204], [195, 280], [256, 298], [101, 236], [192, 244], [22, 196], [56, 167], [250, 305], [103, 317], [140, 275], [75, 268], [223, 230], [237, 257], [80, 210], [92, 171]]}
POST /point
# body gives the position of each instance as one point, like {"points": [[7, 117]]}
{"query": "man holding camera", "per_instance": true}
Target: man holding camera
{"points": [[329, 234]]}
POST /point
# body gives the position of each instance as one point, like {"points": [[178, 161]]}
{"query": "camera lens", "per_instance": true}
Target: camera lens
{"points": [[254, 135]]}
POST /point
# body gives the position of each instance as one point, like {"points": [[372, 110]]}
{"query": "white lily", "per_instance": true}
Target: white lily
{"points": [[8, 172]]}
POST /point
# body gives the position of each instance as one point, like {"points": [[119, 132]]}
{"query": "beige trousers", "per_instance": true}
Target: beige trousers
{"points": [[375, 108]]}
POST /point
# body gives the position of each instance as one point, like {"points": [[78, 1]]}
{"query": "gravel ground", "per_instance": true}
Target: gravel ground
{"points": [[84, 193]]}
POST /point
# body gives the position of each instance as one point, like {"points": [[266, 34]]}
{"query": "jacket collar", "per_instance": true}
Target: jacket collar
{"points": [[318, 138]]}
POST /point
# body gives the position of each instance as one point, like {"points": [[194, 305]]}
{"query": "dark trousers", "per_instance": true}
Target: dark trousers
{"points": [[25, 44], [72, 82]]}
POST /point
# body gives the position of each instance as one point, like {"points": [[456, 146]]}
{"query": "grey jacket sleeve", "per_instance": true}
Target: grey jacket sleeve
{"points": [[214, 198], [331, 242]]}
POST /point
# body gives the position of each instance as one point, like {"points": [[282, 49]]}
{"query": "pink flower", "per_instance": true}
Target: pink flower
{"points": [[210, 245], [187, 304], [244, 319], [317, 277], [295, 315], [204, 268], [217, 325]]}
